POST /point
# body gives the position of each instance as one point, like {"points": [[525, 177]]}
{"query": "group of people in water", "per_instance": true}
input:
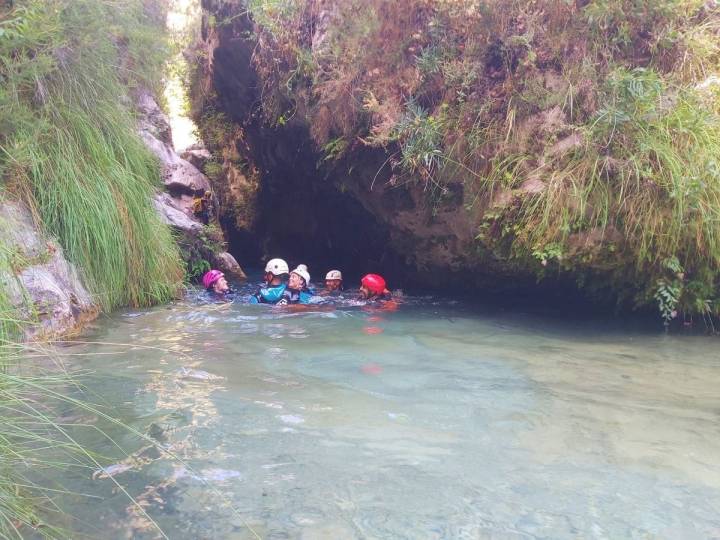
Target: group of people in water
{"points": [[284, 287]]}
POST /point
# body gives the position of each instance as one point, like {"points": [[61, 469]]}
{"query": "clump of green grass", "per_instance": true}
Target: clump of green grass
{"points": [[11, 321], [649, 169], [33, 442], [69, 146], [92, 188]]}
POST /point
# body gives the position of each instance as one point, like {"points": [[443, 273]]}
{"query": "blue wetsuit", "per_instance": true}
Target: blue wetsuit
{"points": [[268, 295]]}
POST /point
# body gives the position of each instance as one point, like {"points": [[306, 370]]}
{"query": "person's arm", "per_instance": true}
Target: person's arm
{"points": [[258, 297]]}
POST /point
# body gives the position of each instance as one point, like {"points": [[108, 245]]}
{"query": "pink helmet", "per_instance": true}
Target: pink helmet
{"points": [[211, 277]]}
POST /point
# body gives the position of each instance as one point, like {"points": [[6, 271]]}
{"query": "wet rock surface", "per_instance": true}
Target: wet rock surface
{"points": [[345, 213], [46, 288], [351, 211], [183, 181]]}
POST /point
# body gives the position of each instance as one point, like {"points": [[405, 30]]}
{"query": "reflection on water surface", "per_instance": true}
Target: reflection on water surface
{"points": [[435, 421]]}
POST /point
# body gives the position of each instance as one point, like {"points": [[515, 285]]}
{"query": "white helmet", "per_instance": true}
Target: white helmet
{"points": [[302, 271], [334, 274], [277, 267]]}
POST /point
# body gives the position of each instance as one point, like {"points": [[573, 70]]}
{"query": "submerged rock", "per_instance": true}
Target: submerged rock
{"points": [[111, 470], [45, 288], [197, 374]]}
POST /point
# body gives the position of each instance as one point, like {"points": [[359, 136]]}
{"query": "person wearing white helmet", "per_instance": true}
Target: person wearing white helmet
{"points": [[272, 292], [297, 290], [275, 268], [333, 283]]}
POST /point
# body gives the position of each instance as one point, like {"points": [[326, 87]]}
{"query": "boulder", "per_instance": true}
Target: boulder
{"points": [[197, 155], [44, 287], [171, 213], [178, 175], [227, 263]]}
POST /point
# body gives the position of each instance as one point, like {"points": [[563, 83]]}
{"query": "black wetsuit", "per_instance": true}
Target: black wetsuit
{"points": [[293, 296]]}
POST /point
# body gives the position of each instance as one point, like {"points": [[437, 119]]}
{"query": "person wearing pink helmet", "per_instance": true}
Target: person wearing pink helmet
{"points": [[214, 281], [373, 287]]}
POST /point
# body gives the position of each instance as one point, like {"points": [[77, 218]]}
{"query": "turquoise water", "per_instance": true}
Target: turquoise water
{"points": [[438, 420]]}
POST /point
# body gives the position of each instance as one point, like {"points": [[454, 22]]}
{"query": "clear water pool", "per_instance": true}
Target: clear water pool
{"points": [[438, 420]]}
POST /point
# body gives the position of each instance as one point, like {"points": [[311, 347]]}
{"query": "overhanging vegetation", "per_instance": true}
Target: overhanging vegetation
{"points": [[589, 130], [69, 150]]}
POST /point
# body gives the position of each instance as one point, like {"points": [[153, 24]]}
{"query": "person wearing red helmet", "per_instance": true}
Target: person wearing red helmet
{"points": [[373, 287], [214, 281]]}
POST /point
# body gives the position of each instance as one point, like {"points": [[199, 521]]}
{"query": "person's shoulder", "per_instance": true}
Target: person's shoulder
{"points": [[270, 294], [278, 289]]}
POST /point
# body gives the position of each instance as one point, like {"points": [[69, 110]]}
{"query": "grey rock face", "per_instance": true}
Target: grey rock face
{"points": [[46, 289], [171, 213], [151, 117], [178, 175], [196, 155], [182, 179]]}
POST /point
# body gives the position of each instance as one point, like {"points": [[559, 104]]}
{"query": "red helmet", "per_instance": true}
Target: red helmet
{"points": [[374, 282], [211, 277]]}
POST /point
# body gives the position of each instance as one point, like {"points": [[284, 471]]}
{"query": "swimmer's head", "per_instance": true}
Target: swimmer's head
{"points": [[215, 281], [275, 269], [333, 280], [299, 278]]}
